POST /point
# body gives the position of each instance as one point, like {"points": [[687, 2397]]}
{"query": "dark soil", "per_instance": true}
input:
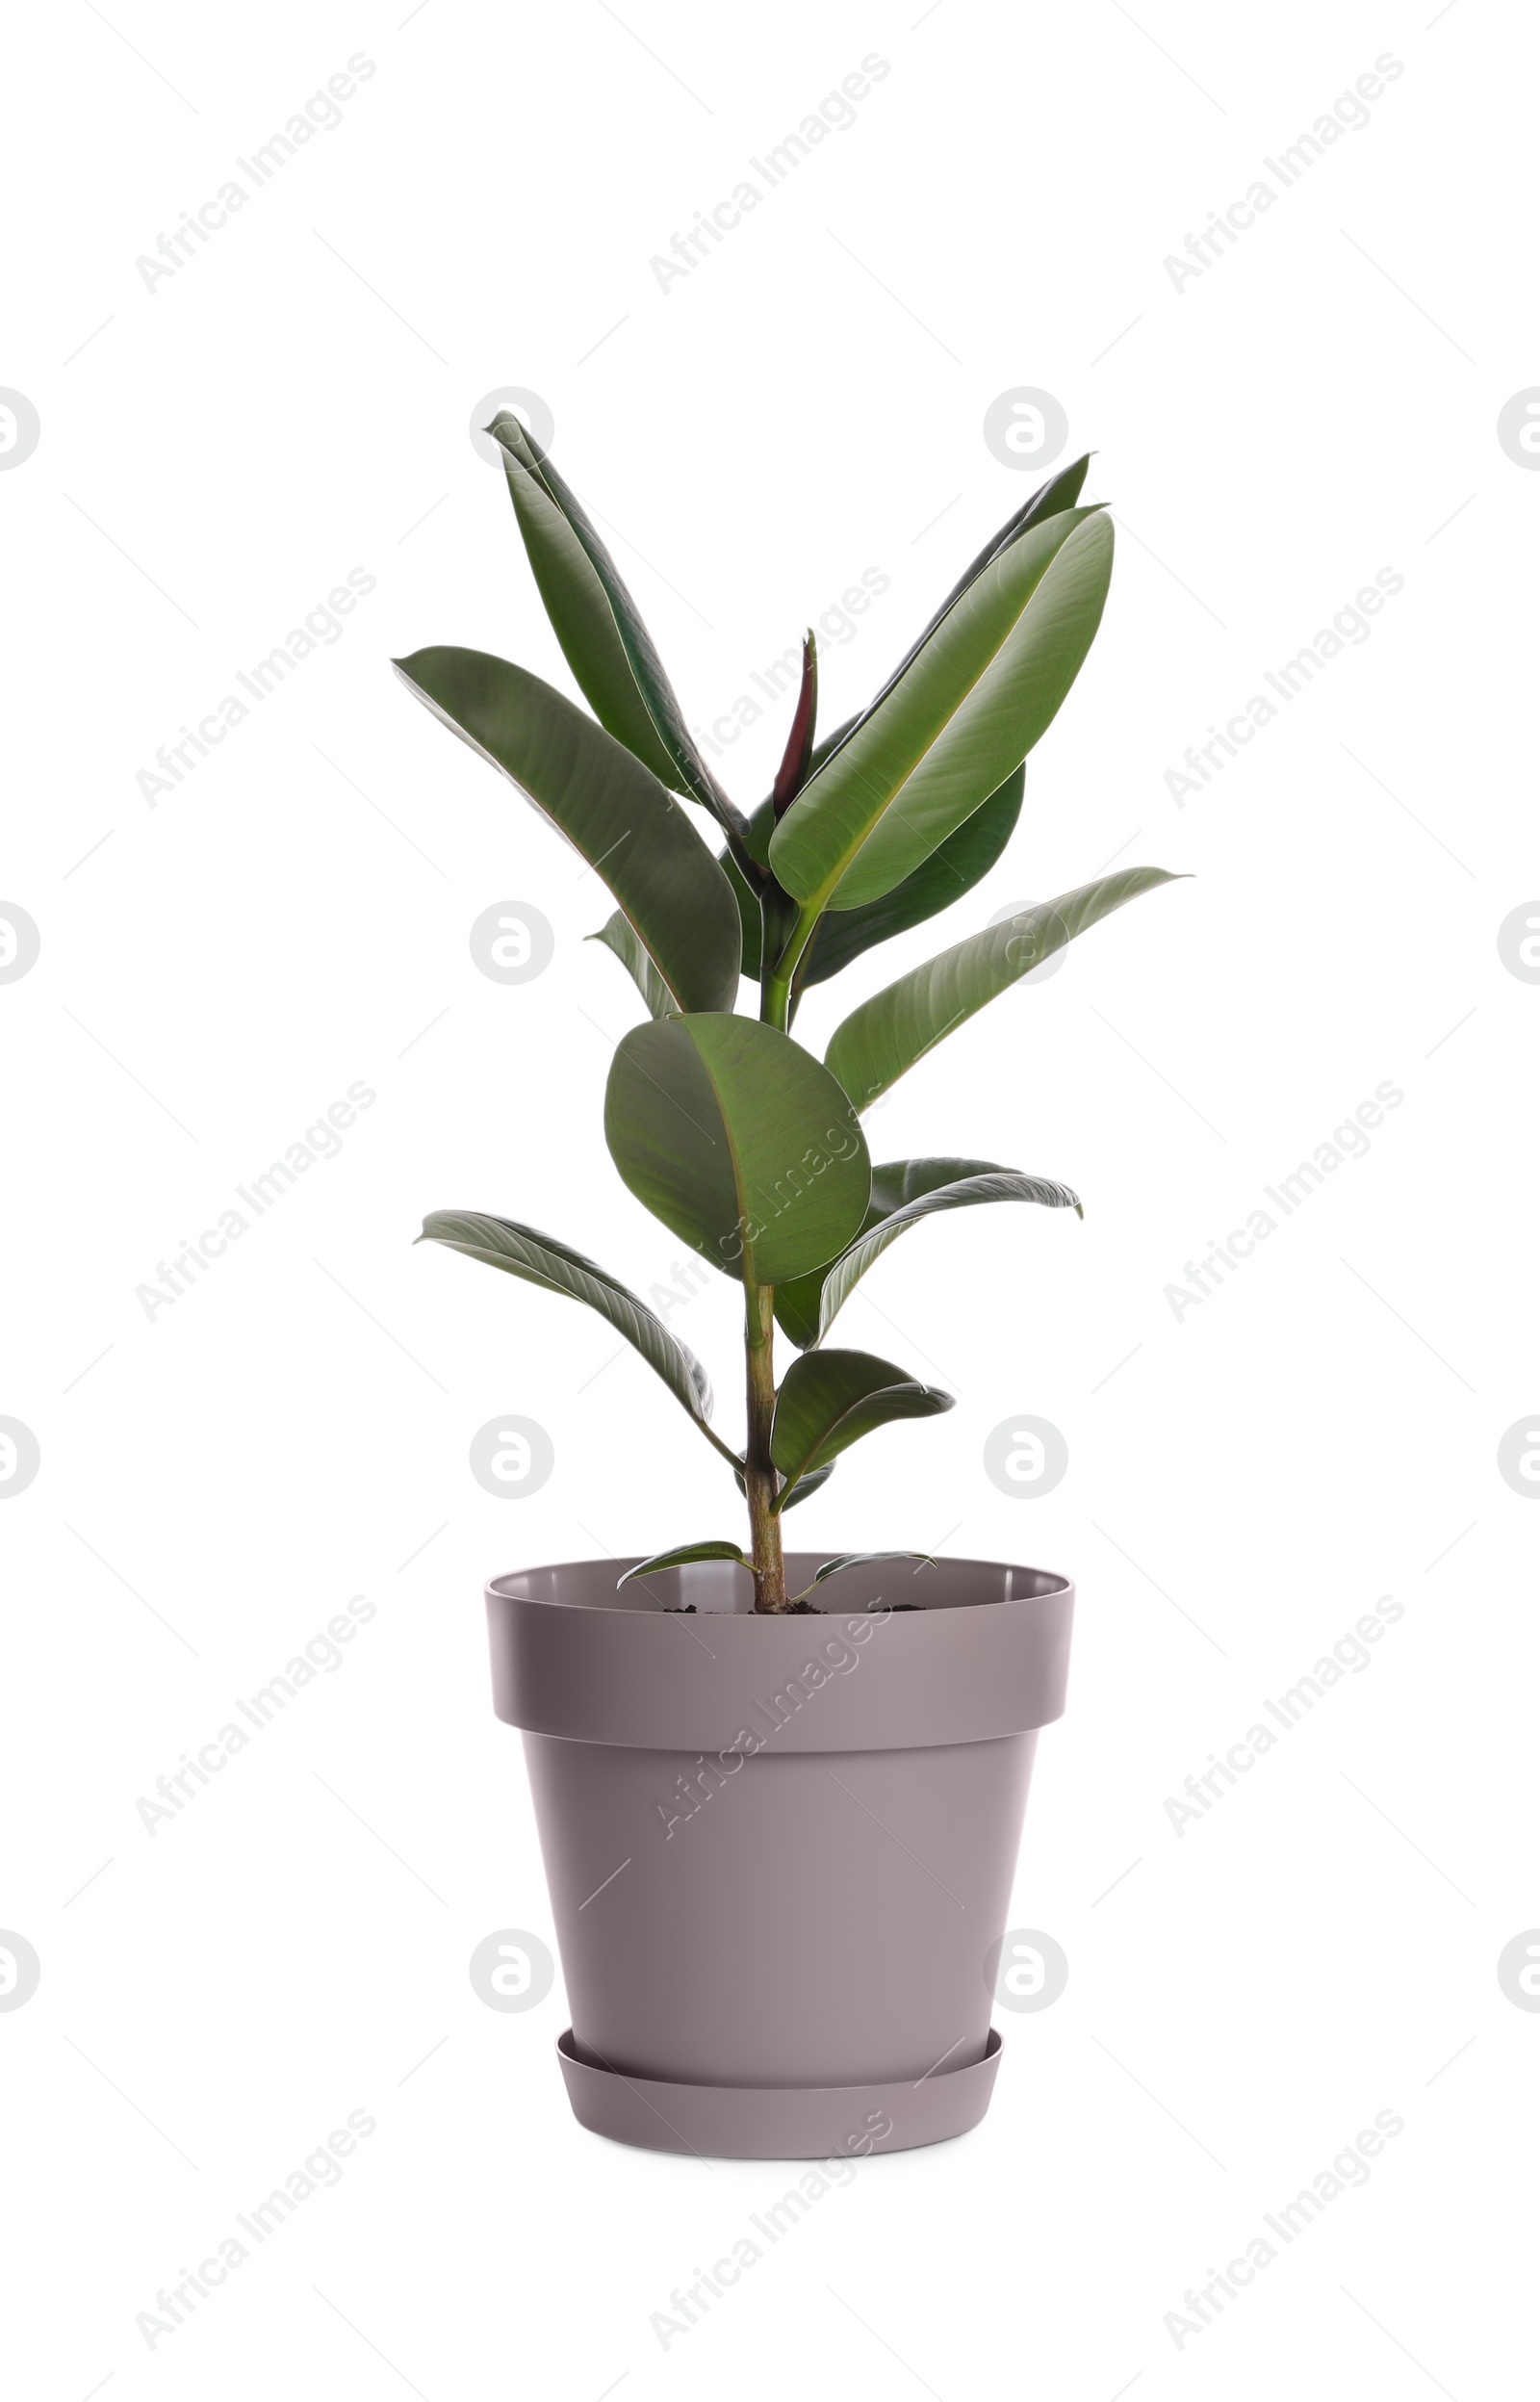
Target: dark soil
{"points": [[803, 1610]]}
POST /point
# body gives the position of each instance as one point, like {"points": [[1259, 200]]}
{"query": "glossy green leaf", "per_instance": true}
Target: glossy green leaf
{"points": [[894, 1182], [932, 1185], [610, 806], [874, 1045], [828, 1398], [619, 935], [986, 684], [683, 1556], [542, 1260], [952, 869], [739, 1141], [595, 621], [862, 1559]]}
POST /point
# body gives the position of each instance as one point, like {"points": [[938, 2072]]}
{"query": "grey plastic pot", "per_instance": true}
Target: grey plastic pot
{"points": [[780, 1849]]}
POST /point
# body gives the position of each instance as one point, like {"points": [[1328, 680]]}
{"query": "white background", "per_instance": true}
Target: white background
{"points": [[215, 454]]}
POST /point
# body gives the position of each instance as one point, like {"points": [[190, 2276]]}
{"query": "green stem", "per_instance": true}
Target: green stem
{"points": [[759, 1476], [758, 1468], [775, 993]]}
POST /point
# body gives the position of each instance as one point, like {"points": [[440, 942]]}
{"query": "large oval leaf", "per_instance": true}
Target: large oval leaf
{"points": [[595, 621], [969, 709], [610, 806], [522, 1250], [739, 1141], [874, 1045], [828, 1398]]}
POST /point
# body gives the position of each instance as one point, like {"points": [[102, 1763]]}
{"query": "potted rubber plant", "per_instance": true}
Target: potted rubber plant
{"points": [[779, 1796]]}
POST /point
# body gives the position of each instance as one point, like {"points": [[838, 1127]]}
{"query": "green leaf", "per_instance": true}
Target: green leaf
{"points": [[841, 935], [610, 806], [894, 1182], [542, 1260], [595, 621], [796, 1307], [952, 868], [828, 1398], [927, 1186], [965, 856], [862, 1559], [680, 1557], [874, 1045], [619, 935], [897, 1182], [969, 707], [739, 1141]]}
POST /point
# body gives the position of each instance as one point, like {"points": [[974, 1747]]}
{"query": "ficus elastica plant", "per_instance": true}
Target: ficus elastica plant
{"points": [[719, 1120]]}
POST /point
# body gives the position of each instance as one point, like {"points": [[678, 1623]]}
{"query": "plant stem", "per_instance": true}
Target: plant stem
{"points": [[758, 1468], [775, 993], [760, 1328]]}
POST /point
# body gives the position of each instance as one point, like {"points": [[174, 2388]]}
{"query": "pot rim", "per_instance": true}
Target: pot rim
{"points": [[633, 1599], [571, 1657]]}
